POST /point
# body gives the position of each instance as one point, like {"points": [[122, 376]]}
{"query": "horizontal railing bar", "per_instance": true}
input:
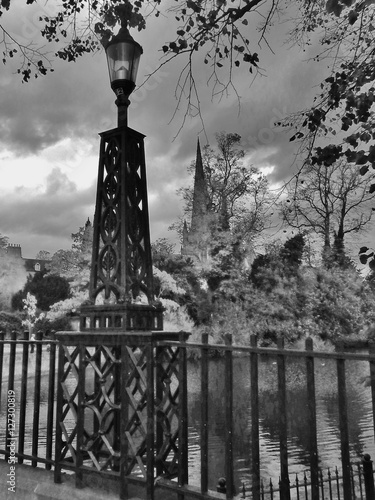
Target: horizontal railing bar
{"points": [[29, 341], [270, 351]]}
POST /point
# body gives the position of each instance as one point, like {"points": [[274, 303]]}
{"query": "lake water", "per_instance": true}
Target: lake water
{"points": [[361, 428]]}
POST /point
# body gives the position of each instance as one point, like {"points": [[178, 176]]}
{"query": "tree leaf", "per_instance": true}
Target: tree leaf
{"points": [[363, 250], [363, 259], [363, 170]]}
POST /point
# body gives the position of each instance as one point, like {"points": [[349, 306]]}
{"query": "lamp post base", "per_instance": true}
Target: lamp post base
{"points": [[121, 317]]}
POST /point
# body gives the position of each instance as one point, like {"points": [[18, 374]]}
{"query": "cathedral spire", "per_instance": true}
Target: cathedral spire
{"points": [[200, 194], [196, 240]]}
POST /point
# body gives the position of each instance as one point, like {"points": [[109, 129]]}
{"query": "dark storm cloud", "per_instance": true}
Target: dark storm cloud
{"points": [[43, 112], [57, 211]]}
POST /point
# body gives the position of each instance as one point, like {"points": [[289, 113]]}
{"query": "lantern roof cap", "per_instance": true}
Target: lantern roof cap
{"points": [[122, 36]]}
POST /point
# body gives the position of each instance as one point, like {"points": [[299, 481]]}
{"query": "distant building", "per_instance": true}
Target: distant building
{"points": [[196, 238], [14, 271], [87, 237], [14, 252]]}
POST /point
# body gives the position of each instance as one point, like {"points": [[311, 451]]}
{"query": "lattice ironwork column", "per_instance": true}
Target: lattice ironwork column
{"points": [[121, 271], [88, 402], [121, 407]]}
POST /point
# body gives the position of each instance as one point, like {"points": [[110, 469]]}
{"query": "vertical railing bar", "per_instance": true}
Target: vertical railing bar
{"points": [[297, 487], [23, 397], [183, 473], [284, 487], [311, 401], [51, 398], [124, 422], [360, 480], [59, 411], [150, 421], [159, 398], [343, 424], [80, 414], [337, 483], [204, 414], [368, 475], [372, 380], [2, 337], [97, 384], [329, 484], [229, 418], [255, 447], [352, 480], [36, 409], [322, 483], [306, 489], [9, 433]]}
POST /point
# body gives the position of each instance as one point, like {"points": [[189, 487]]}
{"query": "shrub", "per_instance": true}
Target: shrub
{"points": [[11, 321]]}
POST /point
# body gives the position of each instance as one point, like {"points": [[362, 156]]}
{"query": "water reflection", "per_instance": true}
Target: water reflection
{"points": [[360, 421]]}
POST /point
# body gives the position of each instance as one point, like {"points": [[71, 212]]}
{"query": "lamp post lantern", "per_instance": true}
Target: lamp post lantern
{"points": [[121, 271], [123, 55]]}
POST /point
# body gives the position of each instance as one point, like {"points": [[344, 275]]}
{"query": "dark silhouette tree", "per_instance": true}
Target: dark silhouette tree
{"points": [[331, 201], [47, 289]]}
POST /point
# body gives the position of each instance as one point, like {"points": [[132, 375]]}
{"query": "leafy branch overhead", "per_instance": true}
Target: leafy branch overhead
{"points": [[78, 27], [219, 30], [340, 124]]}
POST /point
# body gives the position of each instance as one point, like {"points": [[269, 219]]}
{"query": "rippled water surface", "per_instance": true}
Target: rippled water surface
{"points": [[361, 429]]}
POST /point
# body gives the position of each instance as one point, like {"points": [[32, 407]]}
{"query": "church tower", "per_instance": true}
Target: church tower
{"points": [[195, 240]]}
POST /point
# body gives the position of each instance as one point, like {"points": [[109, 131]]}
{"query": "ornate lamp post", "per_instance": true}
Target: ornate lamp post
{"points": [[121, 272], [114, 377]]}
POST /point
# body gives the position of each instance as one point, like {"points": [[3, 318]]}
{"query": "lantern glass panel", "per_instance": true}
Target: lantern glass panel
{"points": [[123, 61]]}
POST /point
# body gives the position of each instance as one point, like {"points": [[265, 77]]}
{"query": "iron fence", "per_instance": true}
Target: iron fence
{"points": [[330, 484], [316, 484], [36, 372]]}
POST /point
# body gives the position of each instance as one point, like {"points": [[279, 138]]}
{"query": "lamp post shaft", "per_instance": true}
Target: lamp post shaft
{"points": [[122, 104]]}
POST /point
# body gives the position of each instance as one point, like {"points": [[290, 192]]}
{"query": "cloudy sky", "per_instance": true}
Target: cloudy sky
{"points": [[49, 129]]}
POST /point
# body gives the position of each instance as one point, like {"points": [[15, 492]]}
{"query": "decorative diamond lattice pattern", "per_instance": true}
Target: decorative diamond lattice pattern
{"points": [[122, 193], [100, 410]]}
